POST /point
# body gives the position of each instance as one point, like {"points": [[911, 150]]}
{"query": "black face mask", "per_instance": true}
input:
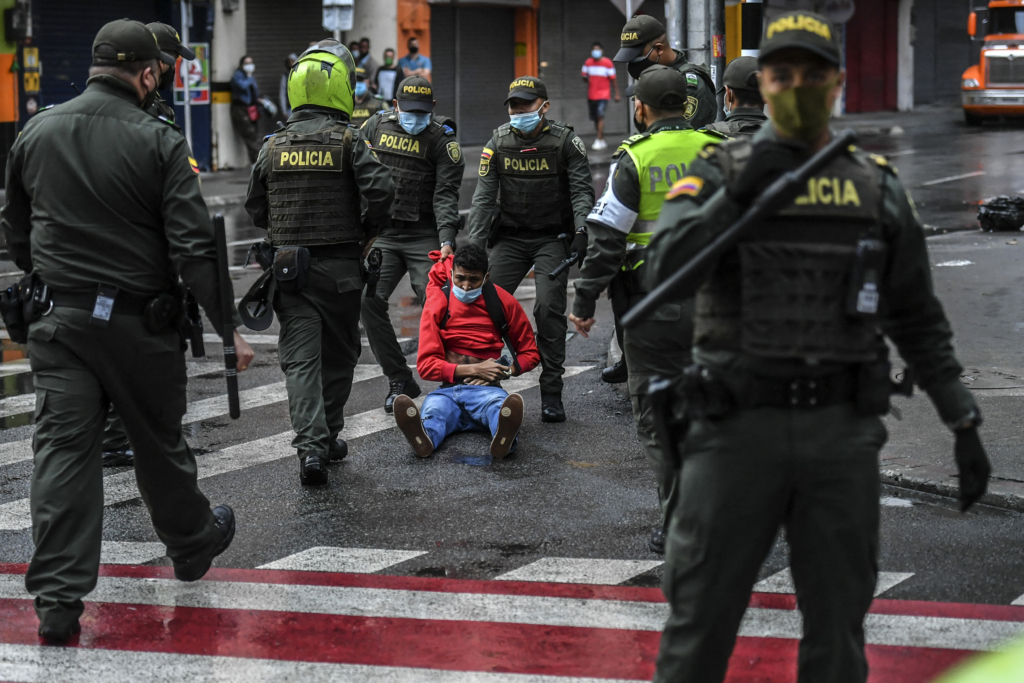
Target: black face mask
{"points": [[638, 67], [166, 79], [413, 49], [641, 127], [150, 97]]}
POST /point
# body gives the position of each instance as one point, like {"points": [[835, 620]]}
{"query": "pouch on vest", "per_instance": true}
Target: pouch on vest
{"points": [[291, 269]]}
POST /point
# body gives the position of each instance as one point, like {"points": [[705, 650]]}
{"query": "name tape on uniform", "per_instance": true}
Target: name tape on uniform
{"points": [[799, 23], [308, 159], [396, 143], [528, 165]]}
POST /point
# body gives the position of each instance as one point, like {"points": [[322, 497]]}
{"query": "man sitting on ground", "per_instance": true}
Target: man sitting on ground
{"points": [[461, 339]]}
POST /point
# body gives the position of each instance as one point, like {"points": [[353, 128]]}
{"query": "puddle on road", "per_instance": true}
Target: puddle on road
{"points": [[474, 460]]}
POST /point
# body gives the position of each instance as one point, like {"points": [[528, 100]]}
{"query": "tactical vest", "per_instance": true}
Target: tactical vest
{"points": [[782, 292], [533, 182], [361, 112], [412, 163], [742, 128], [312, 189]]}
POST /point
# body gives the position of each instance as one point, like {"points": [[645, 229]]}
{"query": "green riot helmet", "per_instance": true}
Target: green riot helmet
{"points": [[324, 76]]}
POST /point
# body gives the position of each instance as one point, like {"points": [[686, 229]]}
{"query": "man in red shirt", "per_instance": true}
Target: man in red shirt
{"points": [[459, 342], [599, 73]]}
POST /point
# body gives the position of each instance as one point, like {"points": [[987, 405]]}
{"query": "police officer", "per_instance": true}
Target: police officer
{"points": [[366, 103], [170, 43], [117, 452], [744, 108], [105, 226], [426, 167], [793, 372], [644, 43], [619, 227], [546, 192], [305, 190]]}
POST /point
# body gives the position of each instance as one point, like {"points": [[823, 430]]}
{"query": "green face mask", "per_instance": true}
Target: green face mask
{"points": [[802, 112]]}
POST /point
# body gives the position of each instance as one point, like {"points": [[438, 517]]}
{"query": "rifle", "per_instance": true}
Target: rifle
{"points": [[195, 326], [571, 260], [778, 193], [227, 305]]}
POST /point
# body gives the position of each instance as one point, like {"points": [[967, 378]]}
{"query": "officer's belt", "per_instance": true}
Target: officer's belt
{"points": [[798, 392], [125, 303], [326, 251]]}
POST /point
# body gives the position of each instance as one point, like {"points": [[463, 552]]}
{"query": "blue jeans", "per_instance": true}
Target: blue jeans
{"points": [[462, 408]]}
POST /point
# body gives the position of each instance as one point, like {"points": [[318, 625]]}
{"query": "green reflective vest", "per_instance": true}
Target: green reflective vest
{"points": [[662, 159]]}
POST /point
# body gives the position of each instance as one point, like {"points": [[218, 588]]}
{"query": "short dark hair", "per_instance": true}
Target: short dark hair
{"points": [[597, 44], [364, 39], [471, 257], [412, 38], [126, 71], [747, 98], [389, 49]]}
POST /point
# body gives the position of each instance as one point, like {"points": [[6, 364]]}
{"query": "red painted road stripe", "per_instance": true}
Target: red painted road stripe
{"points": [[452, 645]]}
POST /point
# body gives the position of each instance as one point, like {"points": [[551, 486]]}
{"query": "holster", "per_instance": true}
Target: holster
{"points": [[165, 311], [494, 228], [707, 396], [669, 426], [12, 309], [291, 269], [371, 271]]}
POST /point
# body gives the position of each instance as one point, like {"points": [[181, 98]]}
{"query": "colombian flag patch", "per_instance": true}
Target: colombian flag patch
{"points": [[194, 164], [690, 185], [486, 154]]}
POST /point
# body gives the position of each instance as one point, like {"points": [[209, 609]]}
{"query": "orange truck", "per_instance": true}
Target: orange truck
{"points": [[995, 86]]}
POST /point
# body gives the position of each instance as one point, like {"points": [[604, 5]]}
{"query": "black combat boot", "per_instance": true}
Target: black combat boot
{"points": [[617, 373], [396, 389], [59, 635], [337, 450], [193, 570], [312, 469], [551, 408], [657, 541], [122, 457]]}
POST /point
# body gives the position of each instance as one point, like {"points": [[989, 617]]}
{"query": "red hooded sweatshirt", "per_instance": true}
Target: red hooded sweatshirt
{"points": [[469, 330]]}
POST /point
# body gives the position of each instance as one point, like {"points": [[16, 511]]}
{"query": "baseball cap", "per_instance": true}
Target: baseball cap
{"points": [[361, 74], [169, 40], [122, 41], [662, 87], [741, 74], [637, 32], [415, 94], [803, 30], [527, 88]]}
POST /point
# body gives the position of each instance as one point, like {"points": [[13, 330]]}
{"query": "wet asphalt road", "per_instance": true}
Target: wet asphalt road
{"points": [[583, 489]]}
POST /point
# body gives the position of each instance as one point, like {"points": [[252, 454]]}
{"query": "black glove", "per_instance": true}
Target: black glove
{"points": [[579, 246], [973, 465], [768, 160]]}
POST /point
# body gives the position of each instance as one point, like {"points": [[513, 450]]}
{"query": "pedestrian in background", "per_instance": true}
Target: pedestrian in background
{"points": [[599, 74], [387, 77], [282, 89], [415, 64], [353, 47], [245, 112], [367, 61]]}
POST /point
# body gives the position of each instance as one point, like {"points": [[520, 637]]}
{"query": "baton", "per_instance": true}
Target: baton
{"points": [[227, 304], [564, 265], [770, 200]]}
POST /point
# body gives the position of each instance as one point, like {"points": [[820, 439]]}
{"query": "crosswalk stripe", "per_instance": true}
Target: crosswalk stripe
{"points": [[26, 403], [580, 570], [343, 560], [782, 582], [891, 629], [120, 487], [90, 665], [204, 409], [129, 552], [15, 367], [1018, 601], [271, 339]]}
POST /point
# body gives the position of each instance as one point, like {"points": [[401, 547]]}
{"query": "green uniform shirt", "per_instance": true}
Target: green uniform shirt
{"points": [[372, 177], [707, 102], [581, 184], [99, 191], [450, 168], [741, 122], [364, 111], [910, 314], [630, 204]]}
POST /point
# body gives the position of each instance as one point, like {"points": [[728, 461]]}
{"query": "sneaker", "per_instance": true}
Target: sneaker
{"points": [[509, 421], [407, 415], [599, 144]]}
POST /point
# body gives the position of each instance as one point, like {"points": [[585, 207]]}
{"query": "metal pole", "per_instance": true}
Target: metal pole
{"points": [[675, 20], [186, 22], [716, 31], [697, 32], [629, 79], [752, 23]]}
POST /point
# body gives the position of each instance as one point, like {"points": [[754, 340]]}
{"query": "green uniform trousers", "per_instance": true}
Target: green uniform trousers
{"points": [[114, 436], [401, 256], [658, 346], [813, 472], [511, 259], [78, 370], [319, 347]]}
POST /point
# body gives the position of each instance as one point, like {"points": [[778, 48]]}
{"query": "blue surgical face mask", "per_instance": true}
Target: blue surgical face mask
{"points": [[414, 122], [596, 54], [466, 296], [528, 121], [360, 88]]}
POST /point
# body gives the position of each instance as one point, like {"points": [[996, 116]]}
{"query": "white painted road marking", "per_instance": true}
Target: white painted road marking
{"points": [[782, 582], [580, 570], [120, 487], [87, 665], [949, 179], [343, 560], [127, 552], [271, 339]]}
